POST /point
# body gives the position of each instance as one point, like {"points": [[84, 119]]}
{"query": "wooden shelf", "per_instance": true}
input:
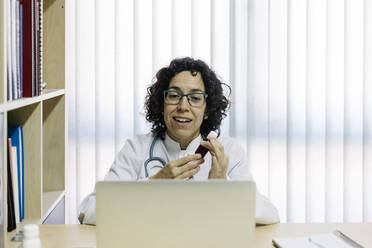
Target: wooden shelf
{"points": [[50, 201], [19, 103], [44, 122]]}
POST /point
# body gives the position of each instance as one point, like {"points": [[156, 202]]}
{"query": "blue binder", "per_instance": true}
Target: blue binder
{"points": [[16, 134]]}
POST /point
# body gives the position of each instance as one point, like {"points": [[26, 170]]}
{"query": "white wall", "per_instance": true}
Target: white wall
{"points": [[300, 71]]}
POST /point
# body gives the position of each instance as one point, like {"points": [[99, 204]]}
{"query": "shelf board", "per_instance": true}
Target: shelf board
{"points": [[47, 94], [50, 201]]}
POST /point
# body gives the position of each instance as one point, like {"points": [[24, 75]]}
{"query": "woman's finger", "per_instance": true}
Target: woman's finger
{"points": [[217, 148], [184, 160], [214, 162], [207, 145], [189, 173], [213, 148], [190, 165]]}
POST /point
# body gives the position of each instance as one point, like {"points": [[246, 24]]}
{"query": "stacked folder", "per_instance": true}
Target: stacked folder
{"points": [[24, 41], [16, 209]]}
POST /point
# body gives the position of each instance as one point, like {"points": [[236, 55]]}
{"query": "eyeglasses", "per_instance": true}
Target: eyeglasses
{"points": [[195, 99]]}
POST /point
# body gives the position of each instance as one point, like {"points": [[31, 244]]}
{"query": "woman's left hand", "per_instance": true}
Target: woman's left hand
{"points": [[219, 158]]}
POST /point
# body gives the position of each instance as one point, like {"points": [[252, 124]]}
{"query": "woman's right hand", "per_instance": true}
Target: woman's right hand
{"points": [[182, 168]]}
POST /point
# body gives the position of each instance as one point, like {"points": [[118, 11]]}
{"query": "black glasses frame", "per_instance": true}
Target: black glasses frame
{"points": [[186, 95]]}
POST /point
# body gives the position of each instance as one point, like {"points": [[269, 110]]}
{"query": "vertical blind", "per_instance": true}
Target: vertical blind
{"points": [[301, 79]]}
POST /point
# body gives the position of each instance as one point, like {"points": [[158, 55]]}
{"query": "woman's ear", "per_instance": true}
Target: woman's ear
{"points": [[205, 115]]}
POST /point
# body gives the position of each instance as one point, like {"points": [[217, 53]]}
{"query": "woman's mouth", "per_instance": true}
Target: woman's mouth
{"points": [[181, 120]]}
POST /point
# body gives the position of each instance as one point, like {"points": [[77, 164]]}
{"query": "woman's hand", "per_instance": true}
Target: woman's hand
{"points": [[182, 168], [219, 158]]}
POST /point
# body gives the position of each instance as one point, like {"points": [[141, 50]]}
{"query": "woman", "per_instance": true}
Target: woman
{"points": [[184, 104]]}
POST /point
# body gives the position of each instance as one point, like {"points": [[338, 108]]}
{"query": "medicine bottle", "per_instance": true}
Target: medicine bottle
{"points": [[31, 236], [203, 150]]}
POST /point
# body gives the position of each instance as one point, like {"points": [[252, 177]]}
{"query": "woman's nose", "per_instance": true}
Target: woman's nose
{"points": [[183, 103]]}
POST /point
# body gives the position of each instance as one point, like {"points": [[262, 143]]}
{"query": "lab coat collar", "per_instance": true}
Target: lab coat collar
{"points": [[174, 147]]}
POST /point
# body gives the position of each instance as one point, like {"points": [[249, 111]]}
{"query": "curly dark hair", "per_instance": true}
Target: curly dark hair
{"points": [[217, 103]]}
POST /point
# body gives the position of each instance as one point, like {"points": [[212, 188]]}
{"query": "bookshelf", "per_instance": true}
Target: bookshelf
{"points": [[43, 119]]}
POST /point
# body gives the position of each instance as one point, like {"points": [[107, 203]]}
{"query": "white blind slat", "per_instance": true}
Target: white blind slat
{"points": [[315, 136], [124, 72], [367, 112], [278, 106], [71, 181], [142, 61], [296, 110], [353, 190], [239, 73], [85, 98], [105, 86], [181, 28], [335, 112], [257, 108], [161, 34], [220, 44], [201, 30]]}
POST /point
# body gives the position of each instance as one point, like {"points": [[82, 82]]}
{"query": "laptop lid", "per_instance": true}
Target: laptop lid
{"points": [[173, 213]]}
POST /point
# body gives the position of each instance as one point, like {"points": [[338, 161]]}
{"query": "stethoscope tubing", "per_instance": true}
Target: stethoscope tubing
{"points": [[152, 158]]}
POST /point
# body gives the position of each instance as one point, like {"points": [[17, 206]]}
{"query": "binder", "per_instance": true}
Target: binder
{"points": [[27, 47], [22, 162], [21, 45], [15, 180], [8, 53], [11, 215], [24, 20], [13, 38], [16, 135]]}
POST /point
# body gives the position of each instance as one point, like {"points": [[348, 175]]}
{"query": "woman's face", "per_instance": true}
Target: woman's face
{"points": [[182, 120]]}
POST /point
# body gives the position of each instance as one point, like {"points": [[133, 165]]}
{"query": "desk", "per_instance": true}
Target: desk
{"points": [[83, 236]]}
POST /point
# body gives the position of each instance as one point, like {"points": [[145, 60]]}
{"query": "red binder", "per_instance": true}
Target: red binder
{"points": [[27, 48]]}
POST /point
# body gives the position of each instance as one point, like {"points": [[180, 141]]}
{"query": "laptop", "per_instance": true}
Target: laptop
{"points": [[175, 214]]}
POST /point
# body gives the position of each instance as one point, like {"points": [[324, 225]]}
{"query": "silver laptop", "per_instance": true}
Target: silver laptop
{"points": [[175, 214]]}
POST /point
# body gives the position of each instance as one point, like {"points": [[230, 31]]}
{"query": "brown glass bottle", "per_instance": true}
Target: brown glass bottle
{"points": [[202, 150]]}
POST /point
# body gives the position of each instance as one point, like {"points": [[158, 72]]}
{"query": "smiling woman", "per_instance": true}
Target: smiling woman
{"points": [[183, 120], [181, 73], [185, 103]]}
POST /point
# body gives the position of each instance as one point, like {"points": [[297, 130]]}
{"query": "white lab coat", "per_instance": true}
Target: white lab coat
{"points": [[129, 165]]}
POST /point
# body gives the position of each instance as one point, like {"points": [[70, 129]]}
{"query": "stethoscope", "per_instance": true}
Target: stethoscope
{"points": [[152, 158]]}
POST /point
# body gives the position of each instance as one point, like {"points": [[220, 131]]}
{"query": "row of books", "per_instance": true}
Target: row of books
{"points": [[24, 48], [16, 196]]}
